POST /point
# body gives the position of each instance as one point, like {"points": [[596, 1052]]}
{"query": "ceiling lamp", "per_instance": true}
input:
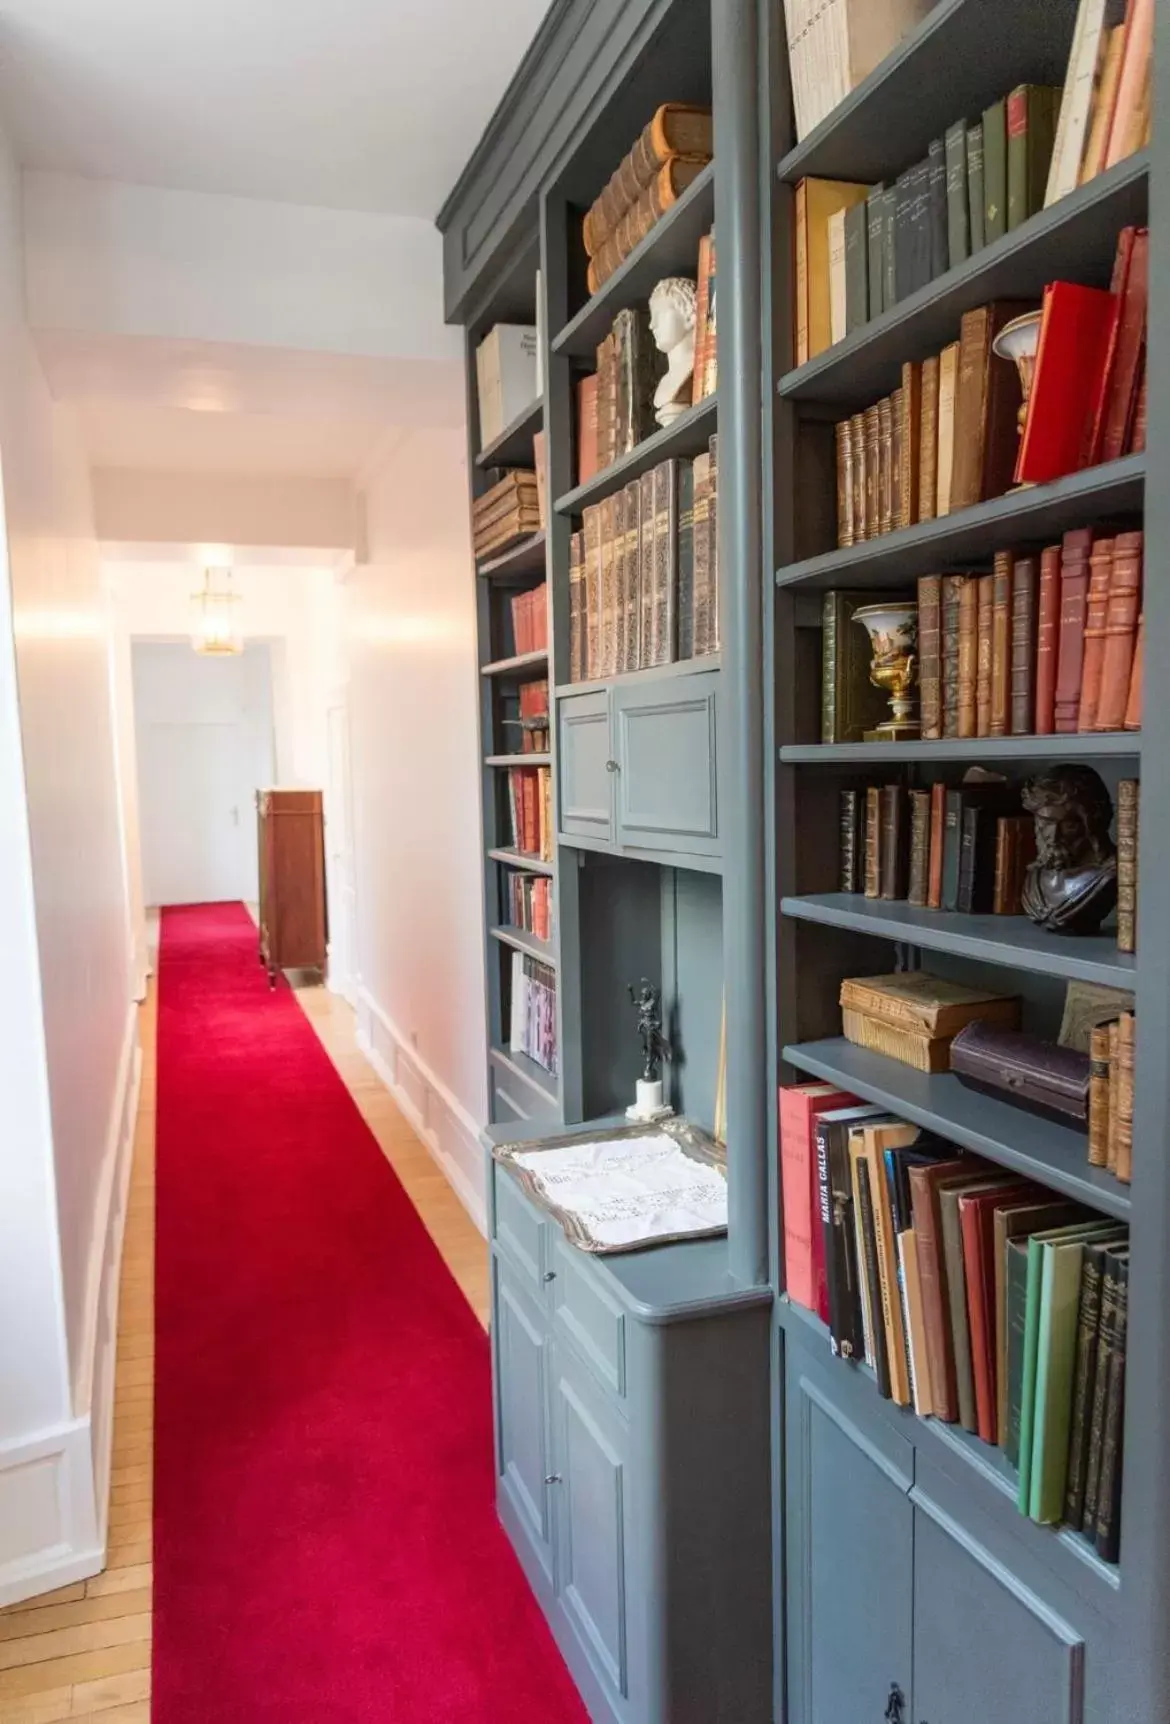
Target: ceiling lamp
{"points": [[214, 628]]}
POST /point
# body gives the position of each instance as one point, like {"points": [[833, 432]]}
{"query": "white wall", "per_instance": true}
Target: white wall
{"points": [[410, 619], [66, 1023]]}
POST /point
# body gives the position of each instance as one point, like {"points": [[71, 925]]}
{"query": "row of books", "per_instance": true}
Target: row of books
{"points": [[530, 619], [975, 1296], [528, 903], [915, 1017], [531, 716], [671, 151], [834, 44], [644, 572], [1111, 1068], [964, 847], [508, 510], [529, 805], [507, 376], [532, 1017]]}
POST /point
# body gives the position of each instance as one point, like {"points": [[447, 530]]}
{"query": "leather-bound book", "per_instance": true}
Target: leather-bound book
{"points": [[1125, 1067], [676, 128], [1099, 1095], [1084, 1372], [958, 216], [861, 526], [1076, 549], [850, 703], [1047, 639], [918, 884], [587, 464], [928, 440], [1068, 382], [873, 471], [591, 633], [617, 661], [856, 268], [1023, 668], [636, 368], [1111, 1138], [1104, 100], [1131, 110], [987, 402], [844, 438], [1121, 620], [1001, 644], [897, 462], [647, 574], [948, 379], [875, 271], [1107, 1522], [938, 811], [1091, 454], [702, 591], [1096, 607], [685, 599], [977, 1220], [852, 877], [995, 797], [986, 603], [1128, 803], [576, 608], [1125, 370], [607, 664], [606, 402], [910, 441], [1115, 1255], [894, 841], [1137, 439], [668, 185], [633, 571], [995, 170], [952, 595], [977, 857], [930, 655], [885, 465], [873, 842], [1031, 132], [702, 303], [1133, 704], [975, 188], [925, 1181], [968, 655], [1015, 848]]}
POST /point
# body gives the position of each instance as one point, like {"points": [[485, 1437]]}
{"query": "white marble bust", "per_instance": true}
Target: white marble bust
{"points": [[672, 324]]}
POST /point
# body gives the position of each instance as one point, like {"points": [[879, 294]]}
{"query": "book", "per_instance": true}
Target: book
{"points": [[1025, 578], [1001, 644], [1128, 802], [880, 1137], [921, 1388], [617, 660], [930, 655], [912, 229], [852, 853], [1127, 128], [1096, 607], [637, 360], [968, 658], [918, 876], [914, 999], [701, 585], [987, 403], [591, 578], [867, 1282], [799, 1106], [1125, 365], [1047, 639], [713, 542], [995, 171], [926, 1181], [909, 419], [659, 561], [953, 587], [938, 801], [1031, 134], [1123, 1078], [1086, 55], [608, 632], [1119, 633], [843, 442], [872, 420], [1105, 105], [1083, 1376], [936, 158], [958, 207], [1009, 1223], [1076, 548], [647, 545], [875, 262], [1099, 1080], [1133, 704], [873, 842], [685, 597], [670, 181], [675, 128], [975, 186], [897, 458], [1113, 1127], [1115, 1254], [831, 49], [976, 1221], [816, 201], [928, 440], [587, 465], [861, 526], [835, 1179], [838, 312], [505, 371], [606, 363], [889, 250], [631, 588], [710, 376], [856, 267], [1068, 381], [885, 465], [871, 1279], [948, 379], [1112, 1360], [1015, 850], [950, 1191], [894, 855], [576, 607], [977, 860], [702, 304], [993, 797]]}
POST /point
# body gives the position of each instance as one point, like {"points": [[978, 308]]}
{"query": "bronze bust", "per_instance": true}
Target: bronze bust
{"points": [[1072, 885]]}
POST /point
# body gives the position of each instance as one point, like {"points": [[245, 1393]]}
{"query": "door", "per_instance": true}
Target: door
{"points": [[589, 1447], [666, 758], [522, 1434], [586, 767]]}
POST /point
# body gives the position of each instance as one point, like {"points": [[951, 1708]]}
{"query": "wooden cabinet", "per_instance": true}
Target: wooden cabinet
{"points": [[290, 832]]}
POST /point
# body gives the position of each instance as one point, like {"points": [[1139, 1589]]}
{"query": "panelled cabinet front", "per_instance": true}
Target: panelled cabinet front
{"points": [[586, 767], [524, 1463]]}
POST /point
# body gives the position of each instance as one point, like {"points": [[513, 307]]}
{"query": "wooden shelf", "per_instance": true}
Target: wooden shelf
{"points": [[1037, 514], [670, 248], [653, 673], [963, 56], [522, 941], [1075, 239], [687, 436], [1054, 1154], [517, 666], [516, 563], [517, 859], [1098, 745], [511, 760], [1013, 941], [526, 1069], [513, 447]]}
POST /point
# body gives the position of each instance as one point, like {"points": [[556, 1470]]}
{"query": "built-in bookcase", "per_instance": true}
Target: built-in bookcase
{"points": [[1049, 1631]]}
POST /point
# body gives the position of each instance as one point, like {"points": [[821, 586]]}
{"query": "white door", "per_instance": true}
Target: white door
{"points": [[203, 728]]}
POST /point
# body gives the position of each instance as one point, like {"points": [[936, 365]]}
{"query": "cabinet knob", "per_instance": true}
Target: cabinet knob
{"points": [[549, 1275], [612, 766], [552, 1478]]}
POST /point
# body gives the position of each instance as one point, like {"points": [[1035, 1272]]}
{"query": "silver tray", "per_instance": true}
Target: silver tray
{"points": [[689, 1139]]}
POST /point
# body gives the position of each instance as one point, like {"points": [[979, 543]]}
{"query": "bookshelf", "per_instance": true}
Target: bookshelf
{"points": [[957, 1606]]}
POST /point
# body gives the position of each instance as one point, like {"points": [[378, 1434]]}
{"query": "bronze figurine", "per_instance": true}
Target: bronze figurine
{"points": [[1072, 885], [655, 1047]]}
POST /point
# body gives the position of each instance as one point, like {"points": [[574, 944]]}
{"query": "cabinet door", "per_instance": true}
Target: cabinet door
{"points": [[985, 1646], [586, 768], [850, 1558], [590, 1442], [521, 1346], [666, 760]]}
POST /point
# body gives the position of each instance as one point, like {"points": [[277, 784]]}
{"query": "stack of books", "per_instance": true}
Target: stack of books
{"points": [[644, 572], [529, 793], [1111, 1065], [528, 903], [834, 44], [533, 1014], [506, 370], [913, 1017], [976, 1297], [530, 619], [506, 512], [671, 152]]}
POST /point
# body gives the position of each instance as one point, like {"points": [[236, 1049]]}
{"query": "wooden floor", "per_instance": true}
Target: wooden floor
{"points": [[84, 1651]]}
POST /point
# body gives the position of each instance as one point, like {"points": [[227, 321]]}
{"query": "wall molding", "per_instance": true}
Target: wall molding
{"points": [[440, 1119]]}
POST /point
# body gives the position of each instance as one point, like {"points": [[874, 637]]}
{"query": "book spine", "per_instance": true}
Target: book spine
{"points": [[909, 1047], [1088, 1321], [985, 1411], [796, 1185], [1133, 703], [875, 273], [1120, 631], [985, 604], [703, 289], [1125, 377], [1047, 639], [968, 655], [1108, 1516], [945, 498], [862, 528], [686, 559], [870, 1269], [873, 449], [701, 592], [852, 877], [974, 345], [893, 841], [829, 697], [1128, 801], [910, 414], [873, 845], [932, 1280], [968, 860], [897, 463], [856, 268], [1023, 667], [1097, 1412], [918, 886], [1124, 1077], [576, 571], [958, 221], [994, 172], [1099, 1095], [844, 442], [939, 212], [800, 333], [928, 441], [1096, 608], [890, 290], [1001, 644], [952, 595], [938, 803], [1074, 589], [975, 190], [1018, 125], [952, 849], [930, 655]]}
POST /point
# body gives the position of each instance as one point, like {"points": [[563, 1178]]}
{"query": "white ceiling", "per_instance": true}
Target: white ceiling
{"points": [[348, 104]]}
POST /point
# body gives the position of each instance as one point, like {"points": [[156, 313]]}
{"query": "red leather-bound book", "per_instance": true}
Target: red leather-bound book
{"points": [[938, 815], [1133, 705], [977, 1219], [1047, 639], [1096, 607], [1124, 603], [1070, 647], [1125, 373], [1066, 387], [1117, 286], [1137, 437], [804, 1241]]}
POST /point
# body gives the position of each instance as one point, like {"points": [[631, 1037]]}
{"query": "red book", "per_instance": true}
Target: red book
{"points": [[1096, 607], [1047, 638], [1133, 706], [938, 809], [1125, 373], [805, 1279], [531, 813], [977, 1219], [1120, 632], [1070, 647], [1117, 286], [587, 451], [1067, 382], [1137, 439]]}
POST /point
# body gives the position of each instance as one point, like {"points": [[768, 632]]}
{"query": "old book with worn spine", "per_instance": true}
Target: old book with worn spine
{"points": [[607, 659], [1084, 1375], [896, 460], [873, 457], [1023, 648], [1096, 607], [1133, 703], [701, 593], [909, 399], [676, 128], [1128, 802], [853, 810], [632, 593], [617, 660], [1107, 1329], [914, 999], [977, 860], [844, 440], [576, 607], [958, 218], [930, 655], [885, 465], [918, 882], [647, 549], [1120, 632], [985, 605], [938, 810], [1113, 1136], [1031, 132], [636, 221], [894, 841], [850, 703], [1126, 1029], [1001, 644], [909, 1047], [1108, 1517], [861, 526], [952, 597], [591, 630], [925, 1183], [1076, 548], [1015, 849], [975, 192], [606, 402], [685, 596], [815, 202], [968, 655], [873, 842], [1047, 640], [928, 440], [1099, 1077], [987, 405], [995, 171], [948, 378], [637, 369], [713, 543], [1126, 368]]}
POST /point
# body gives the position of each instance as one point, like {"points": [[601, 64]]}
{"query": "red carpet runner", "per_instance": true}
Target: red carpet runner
{"points": [[326, 1549]]}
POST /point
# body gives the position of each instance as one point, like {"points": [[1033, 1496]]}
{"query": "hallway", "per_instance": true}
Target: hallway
{"points": [[85, 1650]]}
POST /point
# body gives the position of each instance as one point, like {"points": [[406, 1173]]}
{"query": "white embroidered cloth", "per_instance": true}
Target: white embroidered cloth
{"points": [[630, 1191]]}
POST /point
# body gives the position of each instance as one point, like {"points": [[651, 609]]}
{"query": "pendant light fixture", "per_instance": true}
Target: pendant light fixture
{"points": [[214, 626]]}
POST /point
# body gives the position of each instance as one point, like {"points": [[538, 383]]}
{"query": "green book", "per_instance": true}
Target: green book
{"points": [[874, 225], [994, 172], [975, 189], [1056, 1345], [856, 267], [1031, 133], [1017, 1309], [958, 218]]}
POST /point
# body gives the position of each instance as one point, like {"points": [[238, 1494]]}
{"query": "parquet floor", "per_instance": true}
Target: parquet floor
{"points": [[84, 1651]]}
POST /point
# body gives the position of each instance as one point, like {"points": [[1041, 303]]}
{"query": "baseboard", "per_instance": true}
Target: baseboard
{"points": [[441, 1121]]}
